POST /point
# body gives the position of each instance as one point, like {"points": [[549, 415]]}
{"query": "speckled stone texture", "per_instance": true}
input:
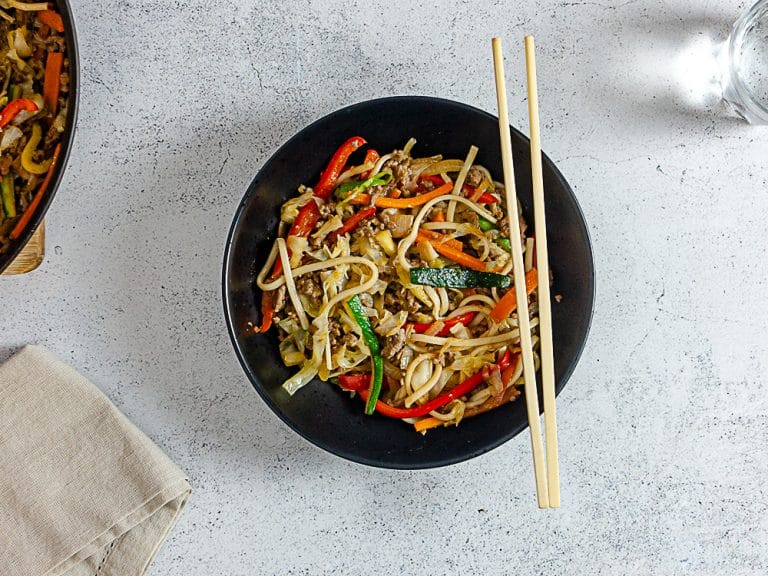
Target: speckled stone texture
{"points": [[664, 425]]}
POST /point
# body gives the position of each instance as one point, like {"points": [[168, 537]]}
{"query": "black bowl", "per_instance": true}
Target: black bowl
{"points": [[66, 137], [322, 413]]}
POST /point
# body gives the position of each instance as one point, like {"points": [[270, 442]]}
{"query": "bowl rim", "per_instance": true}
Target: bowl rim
{"points": [[67, 139], [254, 381]]}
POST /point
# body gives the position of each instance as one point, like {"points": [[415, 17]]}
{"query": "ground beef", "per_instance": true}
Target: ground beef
{"points": [[446, 358], [471, 217], [403, 177], [309, 286], [474, 177], [335, 333], [64, 82], [393, 345], [380, 190], [327, 209], [315, 243], [388, 274], [399, 297], [51, 136], [384, 220], [365, 229], [5, 164], [350, 340], [280, 298], [503, 225]]}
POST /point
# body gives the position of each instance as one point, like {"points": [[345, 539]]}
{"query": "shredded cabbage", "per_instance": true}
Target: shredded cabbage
{"points": [[291, 208]]}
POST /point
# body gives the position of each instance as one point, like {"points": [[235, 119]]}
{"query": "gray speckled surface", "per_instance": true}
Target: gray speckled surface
{"points": [[664, 425]]}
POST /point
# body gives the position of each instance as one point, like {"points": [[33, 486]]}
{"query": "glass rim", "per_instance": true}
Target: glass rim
{"points": [[747, 99]]}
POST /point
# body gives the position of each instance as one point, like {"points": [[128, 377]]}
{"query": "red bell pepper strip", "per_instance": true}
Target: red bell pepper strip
{"points": [[309, 215], [447, 324], [484, 198], [434, 178], [355, 382], [351, 223], [457, 392], [331, 173], [305, 222], [267, 310], [14, 107], [370, 156]]}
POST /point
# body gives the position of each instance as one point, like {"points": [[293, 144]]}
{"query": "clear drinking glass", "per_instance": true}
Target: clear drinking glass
{"points": [[745, 82]]}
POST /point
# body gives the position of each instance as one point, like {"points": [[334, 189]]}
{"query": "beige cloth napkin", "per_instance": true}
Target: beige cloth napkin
{"points": [[83, 492]]}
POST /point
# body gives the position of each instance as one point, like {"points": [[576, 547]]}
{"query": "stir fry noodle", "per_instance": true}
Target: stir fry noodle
{"points": [[392, 279]]}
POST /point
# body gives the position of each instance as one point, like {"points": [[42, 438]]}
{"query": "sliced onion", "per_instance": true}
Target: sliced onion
{"points": [[401, 225], [20, 42], [290, 354], [61, 120], [333, 223], [10, 135], [392, 371], [444, 166], [25, 115], [391, 323], [297, 246], [11, 55]]}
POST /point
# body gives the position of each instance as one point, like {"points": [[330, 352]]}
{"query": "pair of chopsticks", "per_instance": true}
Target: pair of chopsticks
{"points": [[547, 489]]}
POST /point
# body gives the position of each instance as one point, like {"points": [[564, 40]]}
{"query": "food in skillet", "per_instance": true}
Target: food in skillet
{"points": [[393, 278], [33, 109]]}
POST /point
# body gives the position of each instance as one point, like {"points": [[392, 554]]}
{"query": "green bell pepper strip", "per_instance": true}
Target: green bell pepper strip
{"points": [[358, 313], [458, 278], [9, 200], [349, 190]]}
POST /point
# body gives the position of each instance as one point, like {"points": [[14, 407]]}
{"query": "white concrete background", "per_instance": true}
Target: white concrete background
{"points": [[664, 425]]}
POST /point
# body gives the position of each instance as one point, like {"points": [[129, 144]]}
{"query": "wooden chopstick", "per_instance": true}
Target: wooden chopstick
{"points": [[542, 260], [529, 371]]}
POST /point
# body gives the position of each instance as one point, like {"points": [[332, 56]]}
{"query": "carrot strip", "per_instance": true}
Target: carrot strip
{"points": [[51, 82], [432, 237], [427, 423], [452, 253], [29, 212], [508, 302], [400, 203], [413, 201], [52, 19], [439, 217], [395, 193]]}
